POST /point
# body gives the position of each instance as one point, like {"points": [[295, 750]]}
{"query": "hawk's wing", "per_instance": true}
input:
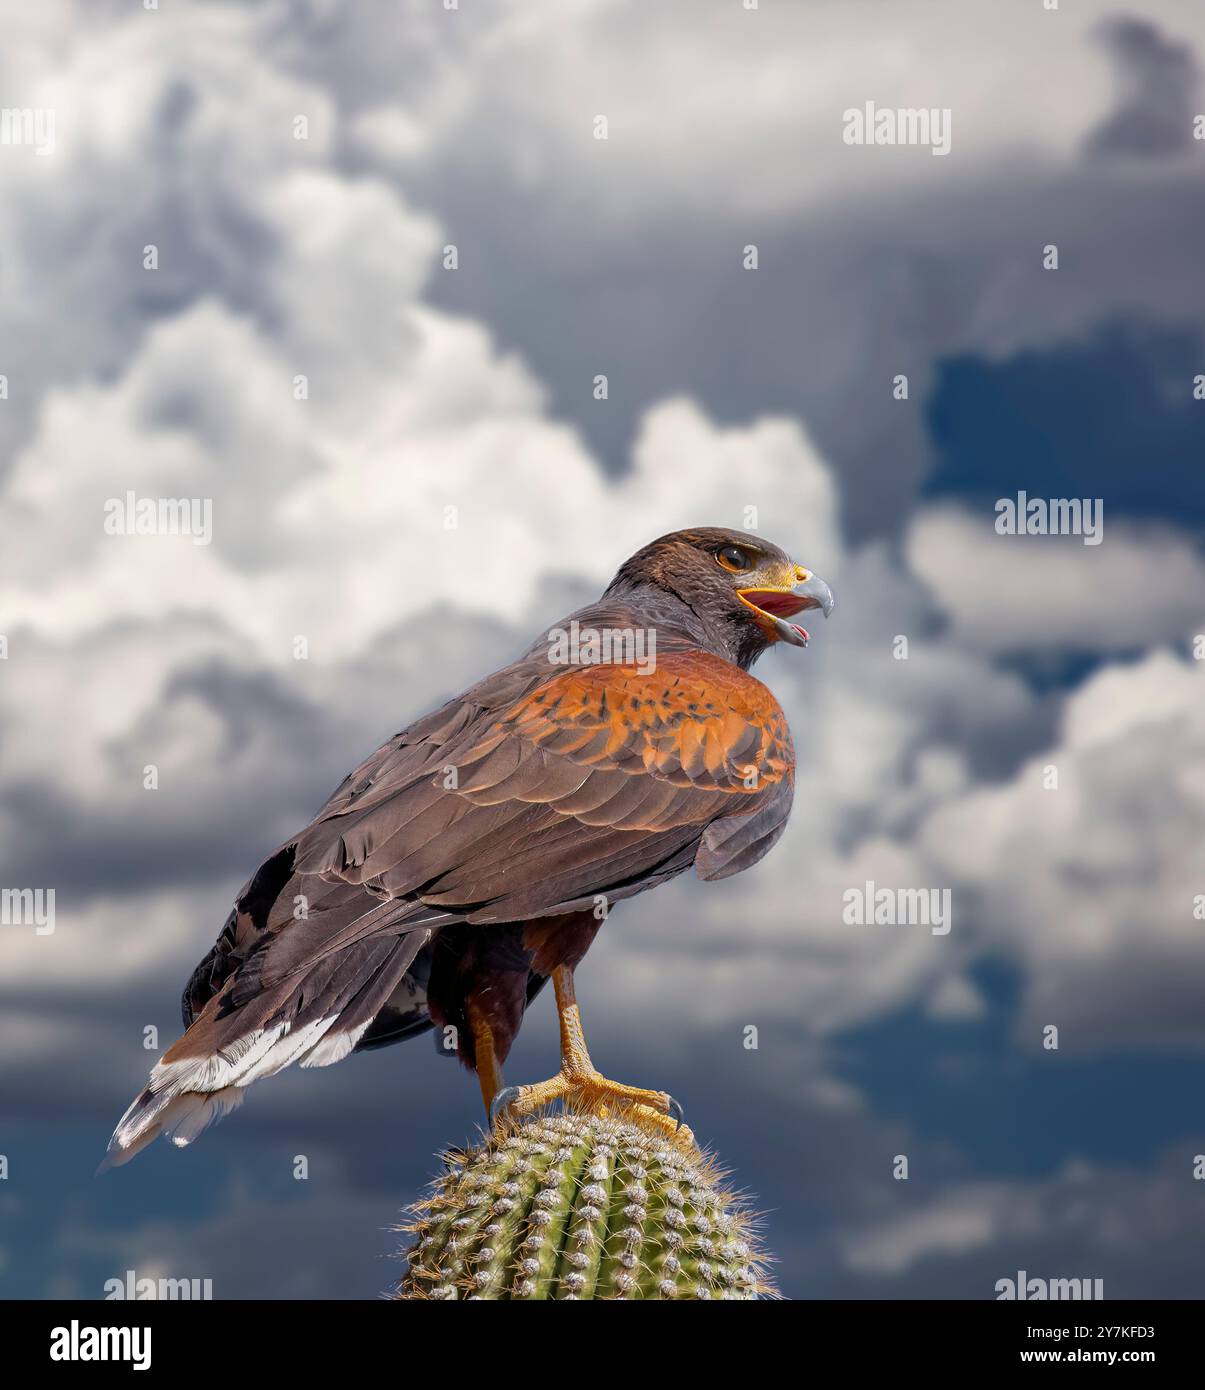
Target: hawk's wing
{"points": [[535, 793], [587, 783]]}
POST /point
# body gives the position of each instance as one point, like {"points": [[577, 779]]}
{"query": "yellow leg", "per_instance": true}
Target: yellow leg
{"points": [[489, 1073], [581, 1087]]}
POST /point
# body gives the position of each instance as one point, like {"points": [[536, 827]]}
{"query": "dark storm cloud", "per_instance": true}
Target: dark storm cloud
{"points": [[839, 306], [1130, 1228], [193, 826], [852, 289], [1158, 83]]}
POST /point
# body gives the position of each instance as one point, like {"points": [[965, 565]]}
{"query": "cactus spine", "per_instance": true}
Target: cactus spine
{"points": [[580, 1205]]}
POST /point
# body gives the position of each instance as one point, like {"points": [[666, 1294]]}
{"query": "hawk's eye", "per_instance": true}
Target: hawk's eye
{"points": [[733, 558]]}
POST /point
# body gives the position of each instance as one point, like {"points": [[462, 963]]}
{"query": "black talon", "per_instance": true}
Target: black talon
{"points": [[501, 1101], [675, 1109]]}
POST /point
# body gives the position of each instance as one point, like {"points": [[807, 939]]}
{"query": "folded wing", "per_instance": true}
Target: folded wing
{"points": [[538, 792]]}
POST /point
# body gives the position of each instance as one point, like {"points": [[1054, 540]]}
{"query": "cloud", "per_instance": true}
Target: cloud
{"points": [[324, 1245], [1158, 81], [1139, 586], [509, 100], [1088, 1221], [1091, 883], [171, 131]]}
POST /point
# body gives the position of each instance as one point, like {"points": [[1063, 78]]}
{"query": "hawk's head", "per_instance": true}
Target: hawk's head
{"points": [[743, 588]]}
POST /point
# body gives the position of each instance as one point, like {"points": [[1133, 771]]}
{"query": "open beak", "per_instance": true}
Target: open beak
{"points": [[774, 604]]}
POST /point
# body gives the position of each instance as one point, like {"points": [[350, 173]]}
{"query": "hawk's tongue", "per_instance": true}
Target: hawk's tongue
{"points": [[778, 603]]}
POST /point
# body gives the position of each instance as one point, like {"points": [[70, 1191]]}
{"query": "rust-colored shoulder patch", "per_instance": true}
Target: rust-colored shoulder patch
{"points": [[696, 719]]}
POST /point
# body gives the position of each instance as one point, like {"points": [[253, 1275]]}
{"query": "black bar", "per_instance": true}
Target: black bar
{"points": [[240, 1340]]}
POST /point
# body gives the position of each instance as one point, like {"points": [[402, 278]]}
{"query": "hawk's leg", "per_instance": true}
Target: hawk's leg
{"points": [[489, 1073], [580, 1086]]}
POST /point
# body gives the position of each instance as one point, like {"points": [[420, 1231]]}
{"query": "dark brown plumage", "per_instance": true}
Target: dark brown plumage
{"points": [[475, 853]]}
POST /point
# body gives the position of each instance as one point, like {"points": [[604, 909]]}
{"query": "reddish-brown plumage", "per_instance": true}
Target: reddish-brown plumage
{"points": [[695, 719]]}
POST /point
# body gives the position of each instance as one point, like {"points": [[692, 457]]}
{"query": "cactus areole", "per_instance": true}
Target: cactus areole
{"points": [[579, 1205]]}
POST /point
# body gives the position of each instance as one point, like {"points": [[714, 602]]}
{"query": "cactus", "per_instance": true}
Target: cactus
{"points": [[582, 1205]]}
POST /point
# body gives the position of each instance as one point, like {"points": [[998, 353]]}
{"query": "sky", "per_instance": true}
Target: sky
{"points": [[349, 273]]}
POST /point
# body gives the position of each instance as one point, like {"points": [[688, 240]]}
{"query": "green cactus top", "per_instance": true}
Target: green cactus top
{"points": [[582, 1206]]}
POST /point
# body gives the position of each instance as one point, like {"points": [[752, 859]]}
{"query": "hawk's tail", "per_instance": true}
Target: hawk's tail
{"points": [[314, 1016]]}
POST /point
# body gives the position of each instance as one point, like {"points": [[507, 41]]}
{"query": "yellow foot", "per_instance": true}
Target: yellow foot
{"points": [[592, 1092]]}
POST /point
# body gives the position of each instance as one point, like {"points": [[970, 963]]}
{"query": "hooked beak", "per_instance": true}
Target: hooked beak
{"points": [[775, 604]]}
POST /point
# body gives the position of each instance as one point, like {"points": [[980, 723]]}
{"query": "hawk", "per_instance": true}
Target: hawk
{"points": [[475, 855]]}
